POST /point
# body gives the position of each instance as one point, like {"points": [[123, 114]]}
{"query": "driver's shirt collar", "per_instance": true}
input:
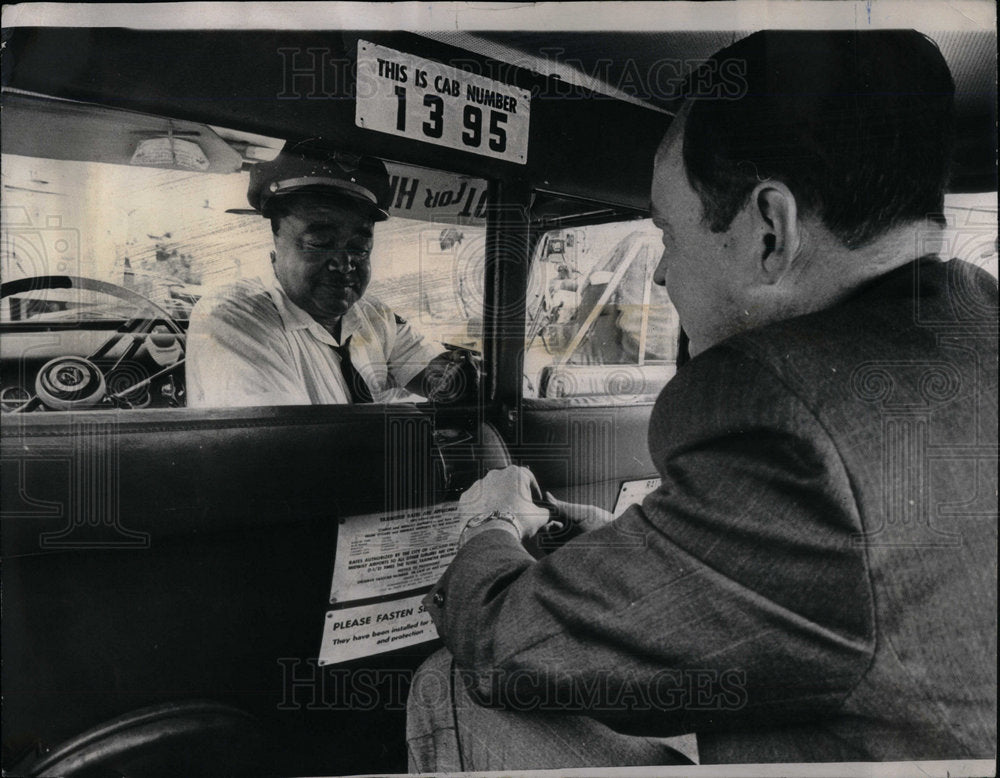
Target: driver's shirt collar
{"points": [[295, 318]]}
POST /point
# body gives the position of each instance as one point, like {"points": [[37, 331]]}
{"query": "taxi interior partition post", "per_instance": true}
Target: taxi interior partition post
{"points": [[217, 590]]}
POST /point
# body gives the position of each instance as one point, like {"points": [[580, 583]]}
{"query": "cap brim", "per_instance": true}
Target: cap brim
{"points": [[358, 194]]}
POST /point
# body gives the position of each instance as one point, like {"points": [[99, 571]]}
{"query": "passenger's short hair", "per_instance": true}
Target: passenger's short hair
{"points": [[859, 125]]}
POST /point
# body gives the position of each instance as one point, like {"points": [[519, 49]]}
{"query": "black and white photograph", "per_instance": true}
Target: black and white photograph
{"points": [[499, 388]]}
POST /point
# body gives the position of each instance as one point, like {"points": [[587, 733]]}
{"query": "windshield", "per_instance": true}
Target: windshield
{"points": [[164, 234]]}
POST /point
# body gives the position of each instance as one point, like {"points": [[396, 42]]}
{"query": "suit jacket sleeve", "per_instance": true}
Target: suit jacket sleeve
{"points": [[736, 595]]}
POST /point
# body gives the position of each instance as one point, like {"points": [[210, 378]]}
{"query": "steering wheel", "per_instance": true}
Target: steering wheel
{"points": [[74, 382]]}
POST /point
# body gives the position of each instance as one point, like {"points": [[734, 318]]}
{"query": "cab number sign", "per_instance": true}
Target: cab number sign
{"points": [[416, 98]]}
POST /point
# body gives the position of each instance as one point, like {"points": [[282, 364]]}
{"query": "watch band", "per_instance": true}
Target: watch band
{"points": [[484, 518]]}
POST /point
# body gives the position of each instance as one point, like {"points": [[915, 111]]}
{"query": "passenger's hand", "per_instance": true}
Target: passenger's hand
{"points": [[585, 517], [509, 491]]}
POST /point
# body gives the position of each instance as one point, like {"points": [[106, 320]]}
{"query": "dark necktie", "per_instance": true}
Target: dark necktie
{"points": [[360, 393]]}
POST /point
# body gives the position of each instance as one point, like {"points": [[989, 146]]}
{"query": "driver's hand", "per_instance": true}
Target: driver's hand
{"points": [[508, 490], [450, 377]]}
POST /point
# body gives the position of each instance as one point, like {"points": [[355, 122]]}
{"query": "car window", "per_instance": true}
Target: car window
{"points": [[102, 257], [161, 233], [431, 274], [971, 232], [597, 326]]}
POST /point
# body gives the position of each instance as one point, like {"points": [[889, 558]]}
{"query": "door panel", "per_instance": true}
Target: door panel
{"points": [[168, 556], [584, 453]]}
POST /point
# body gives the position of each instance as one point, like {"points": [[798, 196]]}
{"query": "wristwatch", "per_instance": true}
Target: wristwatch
{"points": [[483, 518]]}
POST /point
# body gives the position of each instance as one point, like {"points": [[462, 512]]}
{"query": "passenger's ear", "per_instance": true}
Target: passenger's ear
{"points": [[777, 214]]}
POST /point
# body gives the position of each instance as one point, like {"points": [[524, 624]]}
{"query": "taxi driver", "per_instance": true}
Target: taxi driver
{"points": [[307, 334]]}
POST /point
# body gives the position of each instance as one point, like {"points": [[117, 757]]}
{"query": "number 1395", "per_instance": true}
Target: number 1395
{"points": [[473, 125]]}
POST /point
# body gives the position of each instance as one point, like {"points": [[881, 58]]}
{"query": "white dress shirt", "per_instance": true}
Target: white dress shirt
{"points": [[248, 344]]}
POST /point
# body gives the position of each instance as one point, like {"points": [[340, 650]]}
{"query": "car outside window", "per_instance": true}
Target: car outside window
{"points": [[971, 232], [597, 326]]}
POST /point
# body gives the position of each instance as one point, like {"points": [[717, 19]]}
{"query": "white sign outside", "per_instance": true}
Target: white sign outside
{"points": [[435, 195], [405, 95]]}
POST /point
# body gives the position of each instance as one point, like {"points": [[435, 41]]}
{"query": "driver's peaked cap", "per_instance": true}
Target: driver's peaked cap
{"points": [[306, 166]]}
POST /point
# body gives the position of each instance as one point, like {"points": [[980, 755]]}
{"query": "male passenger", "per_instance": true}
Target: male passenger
{"points": [[306, 334], [815, 580]]}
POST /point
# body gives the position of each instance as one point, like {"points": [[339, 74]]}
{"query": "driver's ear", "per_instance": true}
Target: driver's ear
{"points": [[776, 212]]}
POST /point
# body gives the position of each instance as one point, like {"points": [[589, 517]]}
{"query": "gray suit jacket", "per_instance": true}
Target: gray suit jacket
{"points": [[815, 580]]}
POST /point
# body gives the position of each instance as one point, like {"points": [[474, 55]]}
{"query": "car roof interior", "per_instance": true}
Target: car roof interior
{"points": [[80, 64]]}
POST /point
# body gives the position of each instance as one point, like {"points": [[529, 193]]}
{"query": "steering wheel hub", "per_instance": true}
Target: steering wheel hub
{"points": [[65, 383]]}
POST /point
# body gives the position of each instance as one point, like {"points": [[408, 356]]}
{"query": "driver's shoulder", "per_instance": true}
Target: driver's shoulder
{"points": [[243, 303]]}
